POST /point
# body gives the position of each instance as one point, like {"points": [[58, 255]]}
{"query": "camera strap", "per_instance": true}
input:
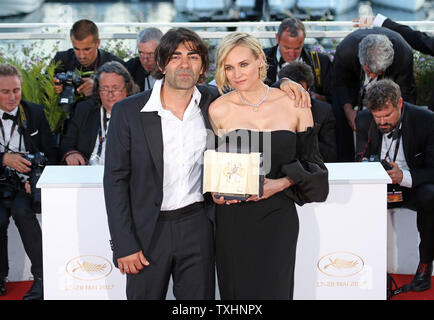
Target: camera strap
{"points": [[395, 135], [16, 122], [102, 133]]}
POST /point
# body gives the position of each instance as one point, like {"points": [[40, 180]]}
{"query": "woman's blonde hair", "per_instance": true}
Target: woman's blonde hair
{"points": [[227, 44]]}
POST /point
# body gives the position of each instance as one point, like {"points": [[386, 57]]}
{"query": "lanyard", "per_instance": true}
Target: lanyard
{"points": [[101, 134], [14, 126]]}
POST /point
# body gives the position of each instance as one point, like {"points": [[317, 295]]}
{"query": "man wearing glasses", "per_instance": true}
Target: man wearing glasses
{"points": [[402, 135], [84, 141], [141, 67]]}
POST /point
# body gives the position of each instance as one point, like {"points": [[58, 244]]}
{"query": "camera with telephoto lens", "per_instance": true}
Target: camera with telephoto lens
{"points": [[70, 80], [10, 181], [38, 161]]}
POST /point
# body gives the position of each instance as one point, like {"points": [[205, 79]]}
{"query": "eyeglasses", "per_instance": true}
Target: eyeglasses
{"points": [[148, 55], [114, 91]]}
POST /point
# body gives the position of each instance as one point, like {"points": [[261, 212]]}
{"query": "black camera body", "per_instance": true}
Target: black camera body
{"points": [[376, 158], [10, 181], [386, 165], [70, 80], [38, 160]]}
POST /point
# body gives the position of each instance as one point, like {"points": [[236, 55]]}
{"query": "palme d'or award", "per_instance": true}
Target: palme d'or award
{"points": [[232, 175]]}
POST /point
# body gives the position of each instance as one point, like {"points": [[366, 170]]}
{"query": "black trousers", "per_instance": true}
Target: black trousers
{"points": [[29, 229], [344, 136], [421, 199], [184, 249]]}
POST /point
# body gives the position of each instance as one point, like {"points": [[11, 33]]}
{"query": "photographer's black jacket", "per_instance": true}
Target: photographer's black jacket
{"points": [[70, 62], [325, 73], [37, 134], [83, 130], [417, 140]]}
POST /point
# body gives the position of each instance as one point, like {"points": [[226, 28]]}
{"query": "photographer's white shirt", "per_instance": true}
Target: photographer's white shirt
{"points": [[400, 159], [14, 141]]}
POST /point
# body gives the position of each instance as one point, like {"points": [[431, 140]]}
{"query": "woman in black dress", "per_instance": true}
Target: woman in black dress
{"points": [[256, 239]]}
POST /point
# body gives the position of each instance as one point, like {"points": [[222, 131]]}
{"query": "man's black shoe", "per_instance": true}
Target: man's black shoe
{"points": [[2, 286], [422, 278], [36, 292]]}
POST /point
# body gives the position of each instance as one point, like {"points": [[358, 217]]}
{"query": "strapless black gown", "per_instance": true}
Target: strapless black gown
{"points": [[256, 241]]}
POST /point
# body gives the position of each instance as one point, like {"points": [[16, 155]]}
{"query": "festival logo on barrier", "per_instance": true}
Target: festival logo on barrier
{"points": [[340, 264], [89, 268]]}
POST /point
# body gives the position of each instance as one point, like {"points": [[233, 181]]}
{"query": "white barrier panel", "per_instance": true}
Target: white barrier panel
{"points": [[341, 251], [76, 249]]}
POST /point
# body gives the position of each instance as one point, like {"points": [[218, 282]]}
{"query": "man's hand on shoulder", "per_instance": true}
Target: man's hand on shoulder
{"points": [[296, 92]]}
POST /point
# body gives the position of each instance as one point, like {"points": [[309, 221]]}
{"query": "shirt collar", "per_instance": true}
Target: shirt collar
{"points": [[14, 112], [154, 102]]}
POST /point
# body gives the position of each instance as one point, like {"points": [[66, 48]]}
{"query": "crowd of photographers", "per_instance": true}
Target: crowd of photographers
{"points": [[27, 144]]}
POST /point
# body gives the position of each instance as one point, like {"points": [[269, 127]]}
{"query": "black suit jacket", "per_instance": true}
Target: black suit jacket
{"points": [[326, 69], [419, 41], [133, 173], [83, 129], [323, 115], [68, 61], [36, 132], [136, 70], [417, 141], [348, 75]]}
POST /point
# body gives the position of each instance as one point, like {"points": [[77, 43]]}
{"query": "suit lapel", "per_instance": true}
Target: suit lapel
{"points": [[151, 123], [407, 138]]}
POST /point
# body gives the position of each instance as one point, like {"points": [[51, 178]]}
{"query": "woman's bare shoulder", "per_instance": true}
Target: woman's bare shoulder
{"points": [[221, 103]]}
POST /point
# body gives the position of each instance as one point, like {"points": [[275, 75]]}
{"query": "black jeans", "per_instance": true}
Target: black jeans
{"points": [[29, 229], [421, 199]]}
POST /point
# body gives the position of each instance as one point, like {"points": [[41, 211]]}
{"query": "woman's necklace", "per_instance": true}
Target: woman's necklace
{"points": [[256, 105]]}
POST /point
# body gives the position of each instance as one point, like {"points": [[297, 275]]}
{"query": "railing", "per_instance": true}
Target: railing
{"points": [[109, 31]]}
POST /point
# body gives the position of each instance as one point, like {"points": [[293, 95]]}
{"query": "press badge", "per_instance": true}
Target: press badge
{"points": [[394, 196]]}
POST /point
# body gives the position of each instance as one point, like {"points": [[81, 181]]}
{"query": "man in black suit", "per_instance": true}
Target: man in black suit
{"points": [[322, 111], [160, 223], [84, 55], [290, 47], [402, 134], [141, 67], [418, 40], [363, 57], [23, 128], [85, 140]]}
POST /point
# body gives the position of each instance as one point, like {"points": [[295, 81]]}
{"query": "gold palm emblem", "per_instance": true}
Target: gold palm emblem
{"points": [[341, 264], [89, 267]]}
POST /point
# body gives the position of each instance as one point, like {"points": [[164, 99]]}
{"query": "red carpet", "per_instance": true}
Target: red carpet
{"points": [[16, 290], [411, 295]]}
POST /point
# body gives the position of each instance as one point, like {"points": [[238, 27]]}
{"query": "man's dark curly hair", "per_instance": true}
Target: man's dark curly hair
{"points": [[168, 44], [380, 93]]}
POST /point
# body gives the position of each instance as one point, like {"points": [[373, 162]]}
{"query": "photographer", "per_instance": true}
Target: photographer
{"points": [[84, 55], [402, 135], [24, 134], [141, 67], [85, 139]]}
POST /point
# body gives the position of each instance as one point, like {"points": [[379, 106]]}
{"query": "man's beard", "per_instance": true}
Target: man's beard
{"points": [[386, 128], [179, 82]]}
